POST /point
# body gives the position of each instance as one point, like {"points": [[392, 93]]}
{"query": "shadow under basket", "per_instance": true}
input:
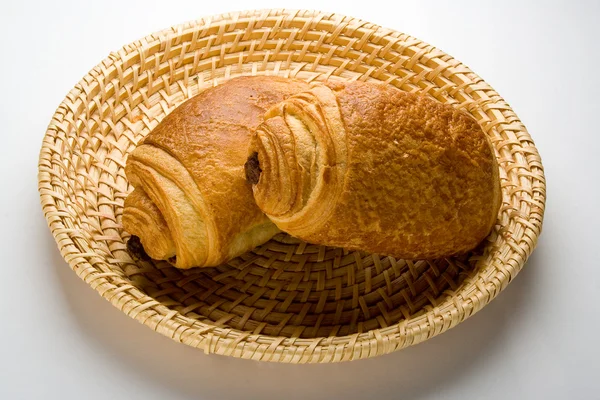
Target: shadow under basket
{"points": [[287, 300]]}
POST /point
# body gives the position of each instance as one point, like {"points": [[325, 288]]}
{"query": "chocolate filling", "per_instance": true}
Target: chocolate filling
{"points": [[135, 247], [252, 168]]}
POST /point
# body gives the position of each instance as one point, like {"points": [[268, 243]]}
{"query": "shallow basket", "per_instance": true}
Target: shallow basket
{"points": [[287, 300]]}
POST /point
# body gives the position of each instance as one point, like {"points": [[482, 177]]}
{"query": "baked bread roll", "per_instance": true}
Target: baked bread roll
{"points": [[191, 204], [369, 167]]}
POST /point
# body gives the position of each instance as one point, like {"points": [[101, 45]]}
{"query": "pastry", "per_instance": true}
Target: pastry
{"points": [[368, 167], [191, 204]]}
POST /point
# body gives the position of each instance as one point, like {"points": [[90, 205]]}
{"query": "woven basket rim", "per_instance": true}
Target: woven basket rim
{"points": [[365, 344]]}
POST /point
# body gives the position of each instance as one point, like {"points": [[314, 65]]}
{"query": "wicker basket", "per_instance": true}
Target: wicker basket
{"points": [[286, 301]]}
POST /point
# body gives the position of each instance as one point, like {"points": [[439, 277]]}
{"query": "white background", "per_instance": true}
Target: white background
{"points": [[538, 340]]}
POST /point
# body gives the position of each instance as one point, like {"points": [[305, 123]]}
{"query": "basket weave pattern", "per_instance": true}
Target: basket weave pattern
{"points": [[287, 300]]}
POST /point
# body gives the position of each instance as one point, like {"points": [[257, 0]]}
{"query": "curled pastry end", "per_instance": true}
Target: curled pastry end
{"points": [[166, 210], [297, 159]]}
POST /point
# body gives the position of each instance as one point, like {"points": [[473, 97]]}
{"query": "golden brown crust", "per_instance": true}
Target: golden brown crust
{"points": [[190, 168], [402, 175]]}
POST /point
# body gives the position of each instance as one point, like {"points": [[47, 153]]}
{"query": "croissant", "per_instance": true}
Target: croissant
{"points": [[369, 167], [191, 204]]}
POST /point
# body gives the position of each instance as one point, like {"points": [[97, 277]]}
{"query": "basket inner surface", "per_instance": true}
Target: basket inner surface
{"points": [[290, 288]]}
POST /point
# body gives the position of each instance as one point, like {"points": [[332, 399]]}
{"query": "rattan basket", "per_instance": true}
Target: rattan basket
{"points": [[286, 301]]}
